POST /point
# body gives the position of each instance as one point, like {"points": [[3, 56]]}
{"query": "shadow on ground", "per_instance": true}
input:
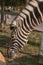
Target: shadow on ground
{"points": [[4, 40], [25, 60], [2, 63]]}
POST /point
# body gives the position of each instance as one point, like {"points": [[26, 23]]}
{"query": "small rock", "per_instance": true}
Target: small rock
{"points": [[2, 59]]}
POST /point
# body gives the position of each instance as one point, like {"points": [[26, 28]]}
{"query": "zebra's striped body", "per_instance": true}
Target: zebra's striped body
{"points": [[25, 22]]}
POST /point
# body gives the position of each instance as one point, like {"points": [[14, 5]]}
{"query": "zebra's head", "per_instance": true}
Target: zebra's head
{"points": [[11, 54]]}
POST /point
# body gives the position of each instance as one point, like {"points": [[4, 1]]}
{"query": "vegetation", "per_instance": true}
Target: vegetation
{"points": [[12, 2]]}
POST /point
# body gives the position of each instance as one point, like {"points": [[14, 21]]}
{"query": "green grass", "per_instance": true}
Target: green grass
{"points": [[32, 47], [4, 39]]}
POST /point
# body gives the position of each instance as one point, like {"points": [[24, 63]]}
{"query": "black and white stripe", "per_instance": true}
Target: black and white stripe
{"points": [[25, 22]]}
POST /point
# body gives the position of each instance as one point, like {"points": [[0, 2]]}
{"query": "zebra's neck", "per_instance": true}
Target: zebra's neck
{"points": [[27, 20]]}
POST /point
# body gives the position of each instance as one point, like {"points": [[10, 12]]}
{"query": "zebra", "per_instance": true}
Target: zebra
{"points": [[25, 22]]}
